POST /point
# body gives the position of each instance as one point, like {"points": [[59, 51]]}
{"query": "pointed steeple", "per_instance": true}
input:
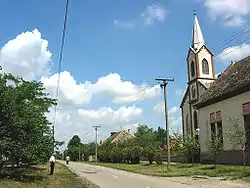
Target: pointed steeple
{"points": [[198, 40]]}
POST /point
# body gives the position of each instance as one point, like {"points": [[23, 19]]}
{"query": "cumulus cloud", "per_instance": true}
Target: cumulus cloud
{"points": [[234, 53], [228, 12], [153, 13], [27, 55], [174, 115], [108, 87], [80, 121]]}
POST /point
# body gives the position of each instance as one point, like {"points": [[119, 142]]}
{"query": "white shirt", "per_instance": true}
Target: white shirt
{"points": [[67, 158], [52, 159]]}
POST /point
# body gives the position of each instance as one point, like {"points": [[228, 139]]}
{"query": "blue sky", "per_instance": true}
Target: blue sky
{"points": [[137, 40]]}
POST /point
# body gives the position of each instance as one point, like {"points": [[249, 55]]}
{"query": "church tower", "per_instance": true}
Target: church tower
{"points": [[200, 68]]}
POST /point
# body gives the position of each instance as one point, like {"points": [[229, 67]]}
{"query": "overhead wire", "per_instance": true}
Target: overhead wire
{"points": [[60, 65]]}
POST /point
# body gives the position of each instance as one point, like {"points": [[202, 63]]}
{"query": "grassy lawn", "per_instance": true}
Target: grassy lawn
{"points": [[35, 177], [228, 171]]}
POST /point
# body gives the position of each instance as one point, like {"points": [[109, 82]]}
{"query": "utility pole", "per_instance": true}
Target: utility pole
{"points": [[96, 129], [163, 83]]}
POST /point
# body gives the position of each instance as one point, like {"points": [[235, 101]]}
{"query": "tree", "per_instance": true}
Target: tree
{"points": [[190, 145], [237, 137], [146, 139], [25, 129], [216, 145], [74, 148]]}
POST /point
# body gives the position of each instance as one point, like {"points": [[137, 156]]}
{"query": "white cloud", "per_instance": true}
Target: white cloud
{"points": [[174, 116], [108, 87], [228, 12], [80, 121], [234, 53], [27, 55], [154, 13], [124, 24]]}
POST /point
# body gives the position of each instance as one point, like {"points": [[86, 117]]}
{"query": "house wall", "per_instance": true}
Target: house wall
{"points": [[230, 108]]}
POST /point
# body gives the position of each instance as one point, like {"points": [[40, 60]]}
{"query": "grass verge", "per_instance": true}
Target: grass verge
{"points": [[38, 177], [226, 171]]}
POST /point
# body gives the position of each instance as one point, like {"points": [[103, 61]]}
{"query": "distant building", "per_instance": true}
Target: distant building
{"points": [[210, 102], [119, 136]]}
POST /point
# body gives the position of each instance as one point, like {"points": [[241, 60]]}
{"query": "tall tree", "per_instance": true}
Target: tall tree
{"points": [[25, 129]]}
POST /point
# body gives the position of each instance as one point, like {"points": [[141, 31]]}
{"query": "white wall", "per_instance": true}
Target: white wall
{"points": [[185, 111], [230, 108], [201, 55]]}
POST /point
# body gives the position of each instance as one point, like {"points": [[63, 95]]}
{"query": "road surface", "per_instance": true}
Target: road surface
{"points": [[111, 178]]}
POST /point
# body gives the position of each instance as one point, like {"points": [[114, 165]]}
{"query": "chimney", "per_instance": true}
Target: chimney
{"points": [[129, 131]]}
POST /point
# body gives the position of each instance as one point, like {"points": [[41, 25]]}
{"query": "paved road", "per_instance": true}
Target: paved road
{"points": [[112, 178]]}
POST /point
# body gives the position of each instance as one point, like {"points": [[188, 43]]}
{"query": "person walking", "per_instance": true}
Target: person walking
{"points": [[52, 161], [67, 160]]}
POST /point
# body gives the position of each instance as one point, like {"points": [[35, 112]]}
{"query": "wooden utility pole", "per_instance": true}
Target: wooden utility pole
{"points": [[163, 83], [96, 144]]}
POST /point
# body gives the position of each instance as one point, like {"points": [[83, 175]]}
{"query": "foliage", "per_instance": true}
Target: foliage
{"points": [[215, 145], [237, 137], [190, 145], [24, 128], [74, 148]]}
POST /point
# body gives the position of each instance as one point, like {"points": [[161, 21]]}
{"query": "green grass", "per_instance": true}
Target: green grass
{"points": [[38, 177], [227, 171]]}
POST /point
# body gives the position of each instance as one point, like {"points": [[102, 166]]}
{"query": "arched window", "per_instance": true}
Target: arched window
{"points": [[205, 67], [195, 120], [192, 69], [193, 91], [187, 124]]}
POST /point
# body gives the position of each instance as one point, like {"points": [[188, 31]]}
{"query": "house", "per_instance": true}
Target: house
{"points": [[119, 136], [210, 102]]}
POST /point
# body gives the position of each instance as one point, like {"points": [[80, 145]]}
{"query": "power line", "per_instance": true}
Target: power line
{"points": [[60, 66]]}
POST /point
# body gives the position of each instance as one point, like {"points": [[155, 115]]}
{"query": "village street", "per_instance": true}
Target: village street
{"points": [[112, 178]]}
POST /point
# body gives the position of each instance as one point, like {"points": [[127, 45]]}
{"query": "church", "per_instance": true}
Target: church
{"points": [[210, 102]]}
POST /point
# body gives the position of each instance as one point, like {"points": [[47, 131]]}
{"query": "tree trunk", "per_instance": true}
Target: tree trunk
{"points": [[244, 159]]}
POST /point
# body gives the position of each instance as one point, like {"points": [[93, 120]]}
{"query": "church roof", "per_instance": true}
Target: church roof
{"points": [[198, 40], [233, 81]]}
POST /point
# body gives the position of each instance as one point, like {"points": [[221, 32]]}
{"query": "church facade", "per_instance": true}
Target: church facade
{"points": [[209, 102]]}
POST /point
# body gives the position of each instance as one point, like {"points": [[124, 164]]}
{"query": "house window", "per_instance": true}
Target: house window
{"points": [[187, 124], [216, 125], [205, 67], [246, 114], [192, 69], [193, 92]]}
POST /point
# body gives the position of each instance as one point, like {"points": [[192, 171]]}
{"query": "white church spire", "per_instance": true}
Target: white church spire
{"points": [[198, 40]]}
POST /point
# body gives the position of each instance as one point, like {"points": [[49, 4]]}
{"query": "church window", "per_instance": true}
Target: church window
{"points": [[192, 69], [195, 120], [205, 67], [193, 92], [187, 124]]}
